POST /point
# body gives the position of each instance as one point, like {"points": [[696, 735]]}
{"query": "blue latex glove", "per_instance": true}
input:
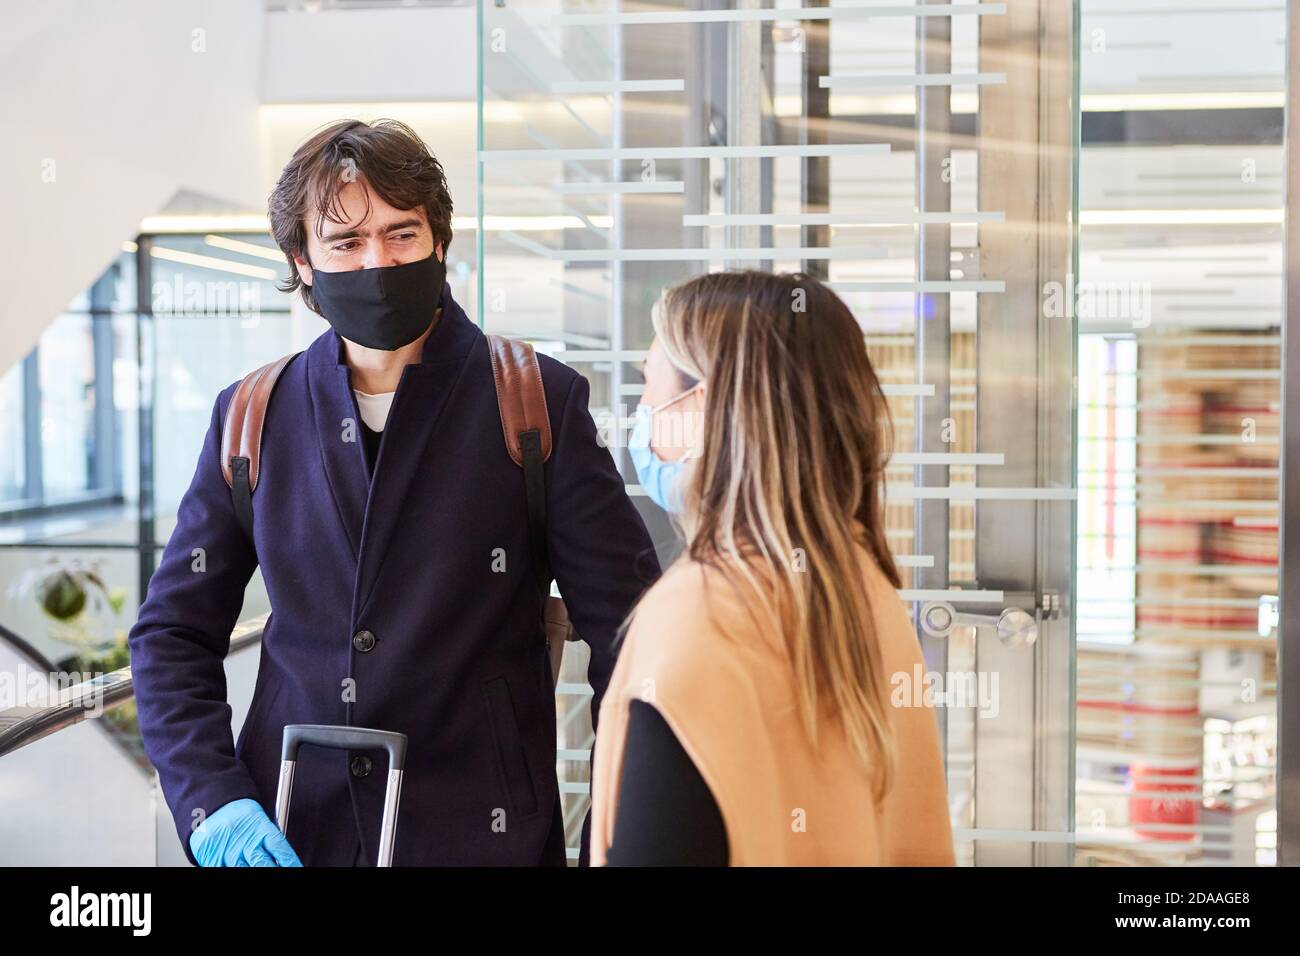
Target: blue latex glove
{"points": [[241, 834]]}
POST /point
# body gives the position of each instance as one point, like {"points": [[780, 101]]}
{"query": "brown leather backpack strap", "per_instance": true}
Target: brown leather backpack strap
{"points": [[521, 402], [520, 396], [526, 425], [241, 436]]}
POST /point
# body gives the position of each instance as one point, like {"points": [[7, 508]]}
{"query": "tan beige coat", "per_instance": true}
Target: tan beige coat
{"points": [[727, 691]]}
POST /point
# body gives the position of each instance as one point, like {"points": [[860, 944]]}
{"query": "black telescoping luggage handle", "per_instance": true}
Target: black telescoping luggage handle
{"points": [[343, 737]]}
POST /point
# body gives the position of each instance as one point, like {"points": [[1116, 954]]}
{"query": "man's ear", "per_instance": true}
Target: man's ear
{"points": [[304, 269], [438, 250]]}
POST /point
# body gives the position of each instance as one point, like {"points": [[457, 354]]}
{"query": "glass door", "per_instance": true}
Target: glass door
{"points": [[1180, 309], [1001, 358], [925, 161]]}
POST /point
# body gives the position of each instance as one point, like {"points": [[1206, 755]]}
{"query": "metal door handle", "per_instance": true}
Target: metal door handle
{"points": [[1016, 623]]}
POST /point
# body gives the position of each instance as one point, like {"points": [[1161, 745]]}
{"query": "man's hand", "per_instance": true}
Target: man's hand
{"points": [[241, 834]]}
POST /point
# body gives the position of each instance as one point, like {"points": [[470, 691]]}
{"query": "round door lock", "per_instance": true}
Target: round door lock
{"points": [[1017, 627], [938, 619]]}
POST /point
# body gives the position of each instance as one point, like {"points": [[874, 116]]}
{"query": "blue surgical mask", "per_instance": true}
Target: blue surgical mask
{"points": [[662, 480]]}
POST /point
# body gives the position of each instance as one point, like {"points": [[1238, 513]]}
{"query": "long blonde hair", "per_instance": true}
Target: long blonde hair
{"points": [[795, 438]]}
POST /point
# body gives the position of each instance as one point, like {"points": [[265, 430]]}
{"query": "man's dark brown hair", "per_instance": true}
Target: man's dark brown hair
{"points": [[386, 154]]}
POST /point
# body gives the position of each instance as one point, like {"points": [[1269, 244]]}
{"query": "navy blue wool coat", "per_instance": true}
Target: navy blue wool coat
{"points": [[458, 659]]}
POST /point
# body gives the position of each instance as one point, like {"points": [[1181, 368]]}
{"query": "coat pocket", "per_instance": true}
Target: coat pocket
{"points": [[512, 760], [264, 696]]}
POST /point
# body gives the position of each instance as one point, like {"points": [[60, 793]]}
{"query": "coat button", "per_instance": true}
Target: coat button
{"points": [[364, 641], [360, 766]]}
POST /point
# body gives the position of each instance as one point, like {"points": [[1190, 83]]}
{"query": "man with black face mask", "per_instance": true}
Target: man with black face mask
{"points": [[380, 308], [399, 569]]}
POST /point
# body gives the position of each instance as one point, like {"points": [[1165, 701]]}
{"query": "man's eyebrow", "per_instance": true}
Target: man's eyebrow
{"points": [[404, 224], [354, 233]]}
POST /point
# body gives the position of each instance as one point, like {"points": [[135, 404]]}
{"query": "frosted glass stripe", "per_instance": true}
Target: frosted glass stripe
{"points": [[705, 252], [837, 218], [929, 285], [600, 355], [787, 13], [977, 493], [583, 189], [618, 86], [947, 458], [951, 594], [684, 152], [851, 81]]}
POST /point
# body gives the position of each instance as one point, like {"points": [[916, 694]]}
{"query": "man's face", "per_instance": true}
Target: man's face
{"points": [[387, 237]]}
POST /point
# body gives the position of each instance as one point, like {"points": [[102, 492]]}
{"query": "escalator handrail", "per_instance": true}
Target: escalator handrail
{"points": [[27, 649], [20, 726]]}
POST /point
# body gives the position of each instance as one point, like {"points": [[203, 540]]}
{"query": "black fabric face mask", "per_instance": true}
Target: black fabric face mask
{"points": [[381, 308]]}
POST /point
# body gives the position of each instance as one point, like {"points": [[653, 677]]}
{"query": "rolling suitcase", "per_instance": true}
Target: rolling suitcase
{"points": [[345, 738]]}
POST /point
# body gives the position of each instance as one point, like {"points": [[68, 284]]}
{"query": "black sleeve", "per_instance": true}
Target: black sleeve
{"points": [[601, 553], [666, 814]]}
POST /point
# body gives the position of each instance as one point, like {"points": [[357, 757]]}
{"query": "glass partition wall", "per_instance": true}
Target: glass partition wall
{"points": [[1180, 313], [1075, 314], [115, 401]]}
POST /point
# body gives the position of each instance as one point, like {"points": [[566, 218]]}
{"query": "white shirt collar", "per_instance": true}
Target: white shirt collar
{"points": [[374, 408]]}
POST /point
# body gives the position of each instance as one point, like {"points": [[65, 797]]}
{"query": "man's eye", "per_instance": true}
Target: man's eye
{"points": [[345, 247], [405, 235]]}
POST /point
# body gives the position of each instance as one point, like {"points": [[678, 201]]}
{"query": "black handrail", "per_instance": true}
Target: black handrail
{"points": [[20, 726], [26, 648]]}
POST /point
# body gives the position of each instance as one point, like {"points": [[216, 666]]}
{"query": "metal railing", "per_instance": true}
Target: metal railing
{"points": [[23, 725]]}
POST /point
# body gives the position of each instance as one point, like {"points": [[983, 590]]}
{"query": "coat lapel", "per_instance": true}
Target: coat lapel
{"points": [[338, 433], [371, 509]]}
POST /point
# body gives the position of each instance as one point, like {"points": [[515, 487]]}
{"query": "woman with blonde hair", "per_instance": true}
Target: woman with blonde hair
{"points": [[749, 717]]}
